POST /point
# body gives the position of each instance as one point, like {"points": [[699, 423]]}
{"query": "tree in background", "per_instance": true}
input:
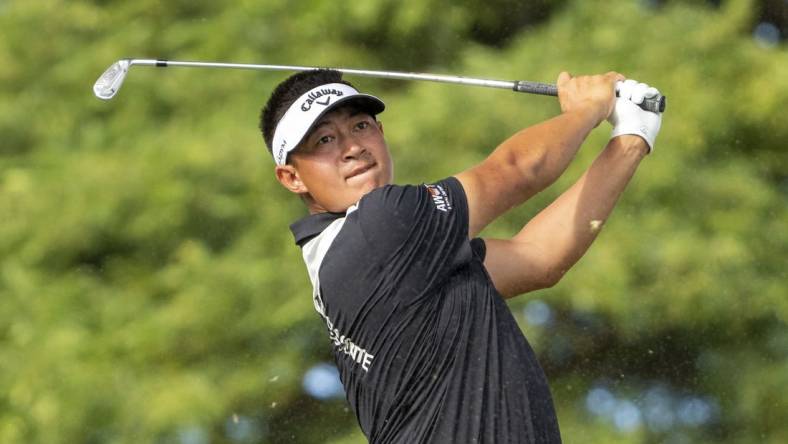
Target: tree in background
{"points": [[150, 290]]}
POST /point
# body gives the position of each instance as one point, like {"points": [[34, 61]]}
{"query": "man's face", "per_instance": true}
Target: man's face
{"points": [[343, 158]]}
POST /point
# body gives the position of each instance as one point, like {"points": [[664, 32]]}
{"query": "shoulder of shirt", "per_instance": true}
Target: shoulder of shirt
{"points": [[386, 196], [392, 194]]}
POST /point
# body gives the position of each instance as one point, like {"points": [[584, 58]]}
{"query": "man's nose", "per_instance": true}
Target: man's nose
{"points": [[352, 148]]}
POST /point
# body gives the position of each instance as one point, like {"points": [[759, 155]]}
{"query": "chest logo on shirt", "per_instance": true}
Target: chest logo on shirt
{"points": [[439, 197]]}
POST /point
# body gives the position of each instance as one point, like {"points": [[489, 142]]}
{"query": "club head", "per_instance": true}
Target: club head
{"points": [[109, 83]]}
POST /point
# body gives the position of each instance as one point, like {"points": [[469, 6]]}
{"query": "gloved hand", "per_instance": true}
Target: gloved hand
{"points": [[628, 118]]}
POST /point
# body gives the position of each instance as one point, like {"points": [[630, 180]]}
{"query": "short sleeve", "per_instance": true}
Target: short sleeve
{"points": [[419, 232], [479, 248]]}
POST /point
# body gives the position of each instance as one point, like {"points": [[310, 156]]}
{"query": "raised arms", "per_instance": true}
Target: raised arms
{"points": [[553, 241], [535, 157]]}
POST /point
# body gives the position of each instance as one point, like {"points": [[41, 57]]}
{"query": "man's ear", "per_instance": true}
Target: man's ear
{"points": [[380, 126], [288, 176]]}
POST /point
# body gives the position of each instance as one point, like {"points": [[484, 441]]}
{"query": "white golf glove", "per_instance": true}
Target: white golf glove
{"points": [[628, 118]]}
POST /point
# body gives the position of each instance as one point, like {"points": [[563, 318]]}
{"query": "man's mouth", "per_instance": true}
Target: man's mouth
{"points": [[360, 170]]}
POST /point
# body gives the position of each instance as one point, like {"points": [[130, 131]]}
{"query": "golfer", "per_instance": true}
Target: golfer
{"points": [[426, 347]]}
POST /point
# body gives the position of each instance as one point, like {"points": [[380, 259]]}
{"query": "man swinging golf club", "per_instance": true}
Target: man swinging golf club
{"points": [[426, 347]]}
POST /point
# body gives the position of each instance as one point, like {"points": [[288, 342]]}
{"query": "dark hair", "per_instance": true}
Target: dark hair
{"points": [[287, 92]]}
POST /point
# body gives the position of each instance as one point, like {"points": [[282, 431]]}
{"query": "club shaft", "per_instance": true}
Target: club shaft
{"points": [[503, 84]]}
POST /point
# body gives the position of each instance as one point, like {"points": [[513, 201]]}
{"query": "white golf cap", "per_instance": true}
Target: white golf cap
{"points": [[309, 108]]}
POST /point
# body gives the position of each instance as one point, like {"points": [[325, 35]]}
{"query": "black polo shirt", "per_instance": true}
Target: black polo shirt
{"points": [[427, 350]]}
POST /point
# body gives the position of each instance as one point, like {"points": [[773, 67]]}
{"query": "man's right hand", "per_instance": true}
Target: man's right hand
{"points": [[594, 95]]}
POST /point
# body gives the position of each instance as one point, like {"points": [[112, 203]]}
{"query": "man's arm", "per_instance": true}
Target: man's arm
{"points": [[539, 255], [535, 157]]}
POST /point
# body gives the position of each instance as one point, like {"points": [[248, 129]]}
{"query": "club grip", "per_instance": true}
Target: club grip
{"points": [[654, 104], [545, 89]]}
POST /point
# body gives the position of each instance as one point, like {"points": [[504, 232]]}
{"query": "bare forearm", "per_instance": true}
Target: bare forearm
{"points": [[541, 153], [572, 222], [524, 165]]}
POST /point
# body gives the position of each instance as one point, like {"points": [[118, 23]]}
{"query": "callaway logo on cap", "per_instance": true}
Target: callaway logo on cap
{"points": [[309, 108]]}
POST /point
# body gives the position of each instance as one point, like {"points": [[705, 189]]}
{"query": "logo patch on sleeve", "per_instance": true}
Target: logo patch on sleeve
{"points": [[439, 197]]}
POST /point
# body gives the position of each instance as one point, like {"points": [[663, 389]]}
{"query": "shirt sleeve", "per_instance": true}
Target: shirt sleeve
{"points": [[418, 232]]}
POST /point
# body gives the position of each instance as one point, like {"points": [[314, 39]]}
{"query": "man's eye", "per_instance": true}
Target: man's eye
{"points": [[324, 140], [362, 125]]}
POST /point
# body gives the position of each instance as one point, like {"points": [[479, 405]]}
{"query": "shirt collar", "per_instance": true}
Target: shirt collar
{"points": [[310, 226]]}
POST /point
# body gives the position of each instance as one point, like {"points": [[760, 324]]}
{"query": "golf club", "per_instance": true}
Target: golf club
{"points": [[107, 86]]}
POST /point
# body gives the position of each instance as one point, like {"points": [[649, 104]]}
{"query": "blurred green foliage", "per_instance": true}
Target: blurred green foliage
{"points": [[150, 290]]}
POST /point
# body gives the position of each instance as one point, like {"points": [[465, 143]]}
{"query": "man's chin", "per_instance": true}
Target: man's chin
{"points": [[364, 188]]}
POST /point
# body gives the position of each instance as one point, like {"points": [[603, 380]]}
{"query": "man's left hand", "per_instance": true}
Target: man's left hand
{"points": [[628, 118]]}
